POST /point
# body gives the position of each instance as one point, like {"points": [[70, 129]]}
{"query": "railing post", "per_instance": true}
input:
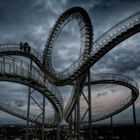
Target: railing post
{"points": [[43, 112], [90, 107], [134, 120], [4, 64], [13, 65]]}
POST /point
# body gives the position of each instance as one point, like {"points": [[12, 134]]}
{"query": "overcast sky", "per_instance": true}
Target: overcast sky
{"points": [[32, 20]]}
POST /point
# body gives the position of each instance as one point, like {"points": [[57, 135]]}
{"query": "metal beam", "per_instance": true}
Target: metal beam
{"points": [[28, 114], [75, 120], [28, 106], [90, 107], [38, 116], [43, 118], [85, 97], [36, 102], [134, 121], [58, 132], [78, 109], [43, 113], [70, 125], [84, 116], [134, 114], [111, 121]]}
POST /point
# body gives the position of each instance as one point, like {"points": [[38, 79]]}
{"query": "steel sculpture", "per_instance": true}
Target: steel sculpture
{"points": [[45, 79], [85, 26]]}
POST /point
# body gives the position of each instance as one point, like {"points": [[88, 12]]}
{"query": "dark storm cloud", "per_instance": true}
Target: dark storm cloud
{"points": [[26, 21], [123, 60], [108, 13]]}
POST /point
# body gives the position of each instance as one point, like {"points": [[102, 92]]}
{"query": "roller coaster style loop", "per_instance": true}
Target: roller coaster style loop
{"points": [[13, 69], [85, 27]]}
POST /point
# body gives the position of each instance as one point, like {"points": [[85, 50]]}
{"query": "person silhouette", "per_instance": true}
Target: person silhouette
{"points": [[21, 46], [25, 47], [29, 48]]}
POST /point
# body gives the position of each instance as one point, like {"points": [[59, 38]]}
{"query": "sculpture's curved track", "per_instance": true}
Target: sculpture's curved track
{"points": [[18, 71], [105, 43], [11, 71], [85, 26], [108, 78], [95, 79]]}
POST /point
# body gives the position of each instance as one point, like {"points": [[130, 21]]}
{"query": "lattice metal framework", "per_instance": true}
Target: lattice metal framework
{"points": [[15, 70]]}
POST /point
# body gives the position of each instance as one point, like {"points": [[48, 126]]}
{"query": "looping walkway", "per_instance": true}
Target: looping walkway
{"points": [[44, 78]]}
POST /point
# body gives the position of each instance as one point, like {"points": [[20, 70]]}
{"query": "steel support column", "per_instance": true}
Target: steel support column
{"points": [[111, 121], [90, 107], [58, 132], [134, 114], [43, 118], [43, 113], [134, 120], [75, 120], [70, 125], [78, 109], [28, 104]]}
